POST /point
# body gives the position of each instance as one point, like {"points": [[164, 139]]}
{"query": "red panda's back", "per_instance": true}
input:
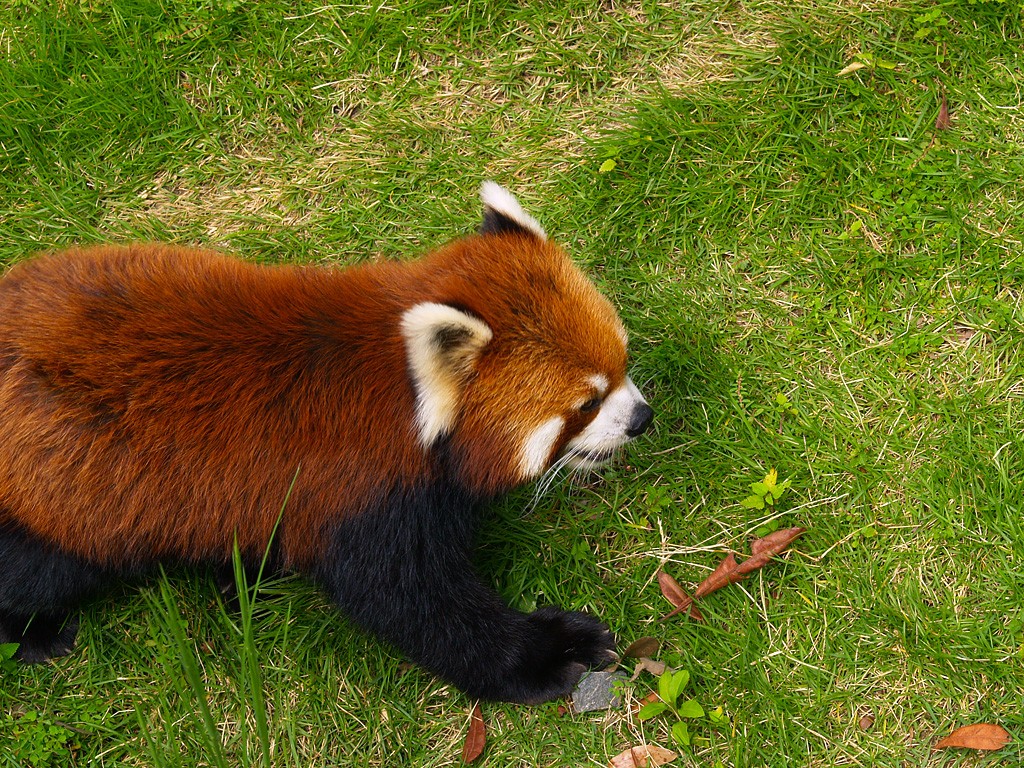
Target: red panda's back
{"points": [[156, 401]]}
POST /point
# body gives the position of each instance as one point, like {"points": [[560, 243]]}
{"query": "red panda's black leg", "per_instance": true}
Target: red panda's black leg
{"points": [[404, 572], [39, 636], [226, 580], [40, 588]]}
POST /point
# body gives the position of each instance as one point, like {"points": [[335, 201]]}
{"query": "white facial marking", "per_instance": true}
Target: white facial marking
{"points": [[539, 445], [609, 429], [499, 199], [599, 382], [438, 370]]}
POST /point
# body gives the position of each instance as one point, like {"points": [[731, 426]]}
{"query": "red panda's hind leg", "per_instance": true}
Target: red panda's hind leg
{"points": [[40, 589], [39, 636], [255, 574]]}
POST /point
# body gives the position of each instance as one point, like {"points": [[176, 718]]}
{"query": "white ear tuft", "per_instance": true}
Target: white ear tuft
{"points": [[503, 212], [442, 344]]}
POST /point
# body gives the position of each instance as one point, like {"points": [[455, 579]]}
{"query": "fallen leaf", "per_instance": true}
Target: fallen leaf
{"points": [[643, 756], [728, 572], [987, 736], [656, 668], [942, 122], [722, 576], [678, 597], [641, 647], [648, 699], [476, 739], [852, 67], [763, 550], [776, 542], [672, 591]]}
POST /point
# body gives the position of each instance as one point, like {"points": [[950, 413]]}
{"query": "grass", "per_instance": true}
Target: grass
{"points": [[815, 279]]}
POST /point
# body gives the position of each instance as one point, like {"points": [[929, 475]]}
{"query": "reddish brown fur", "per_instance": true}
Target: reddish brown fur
{"points": [[157, 401]]}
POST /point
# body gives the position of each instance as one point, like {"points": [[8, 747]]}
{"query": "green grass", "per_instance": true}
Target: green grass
{"points": [[769, 228]]}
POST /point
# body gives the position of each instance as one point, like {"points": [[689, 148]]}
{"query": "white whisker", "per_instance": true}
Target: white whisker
{"points": [[547, 479], [579, 465]]}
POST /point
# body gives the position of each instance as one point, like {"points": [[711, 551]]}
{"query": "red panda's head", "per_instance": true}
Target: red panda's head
{"points": [[516, 358]]}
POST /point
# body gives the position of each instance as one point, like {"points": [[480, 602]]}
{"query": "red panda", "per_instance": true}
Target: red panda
{"points": [[158, 402]]}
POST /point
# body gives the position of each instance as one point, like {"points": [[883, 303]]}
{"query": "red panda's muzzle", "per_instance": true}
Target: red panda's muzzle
{"points": [[623, 416]]}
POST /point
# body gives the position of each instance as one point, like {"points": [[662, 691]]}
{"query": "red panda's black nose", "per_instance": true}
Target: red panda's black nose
{"points": [[643, 415]]}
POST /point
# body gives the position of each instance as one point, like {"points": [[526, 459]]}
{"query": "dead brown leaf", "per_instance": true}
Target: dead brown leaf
{"points": [[722, 576], [656, 668], [678, 597], [728, 572], [643, 756], [987, 736], [649, 698], [942, 122], [641, 647], [763, 550], [672, 591], [777, 541], [476, 739]]}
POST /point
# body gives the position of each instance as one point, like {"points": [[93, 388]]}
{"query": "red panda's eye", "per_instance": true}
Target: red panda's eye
{"points": [[590, 405]]}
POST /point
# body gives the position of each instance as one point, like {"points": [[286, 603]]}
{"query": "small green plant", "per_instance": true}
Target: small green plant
{"points": [[670, 688], [7, 651], [657, 499], [767, 492], [784, 406], [930, 23], [37, 740]]}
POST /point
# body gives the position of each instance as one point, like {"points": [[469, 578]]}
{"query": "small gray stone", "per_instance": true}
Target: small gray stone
{"points": [[597, 690]]}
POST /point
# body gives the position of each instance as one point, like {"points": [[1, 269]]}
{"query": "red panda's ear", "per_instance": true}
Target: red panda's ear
{"points": [[442, 344], [503, 213]]}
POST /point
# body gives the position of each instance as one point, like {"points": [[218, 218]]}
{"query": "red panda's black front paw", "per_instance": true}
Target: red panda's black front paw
{"points": [[567, 645]]}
